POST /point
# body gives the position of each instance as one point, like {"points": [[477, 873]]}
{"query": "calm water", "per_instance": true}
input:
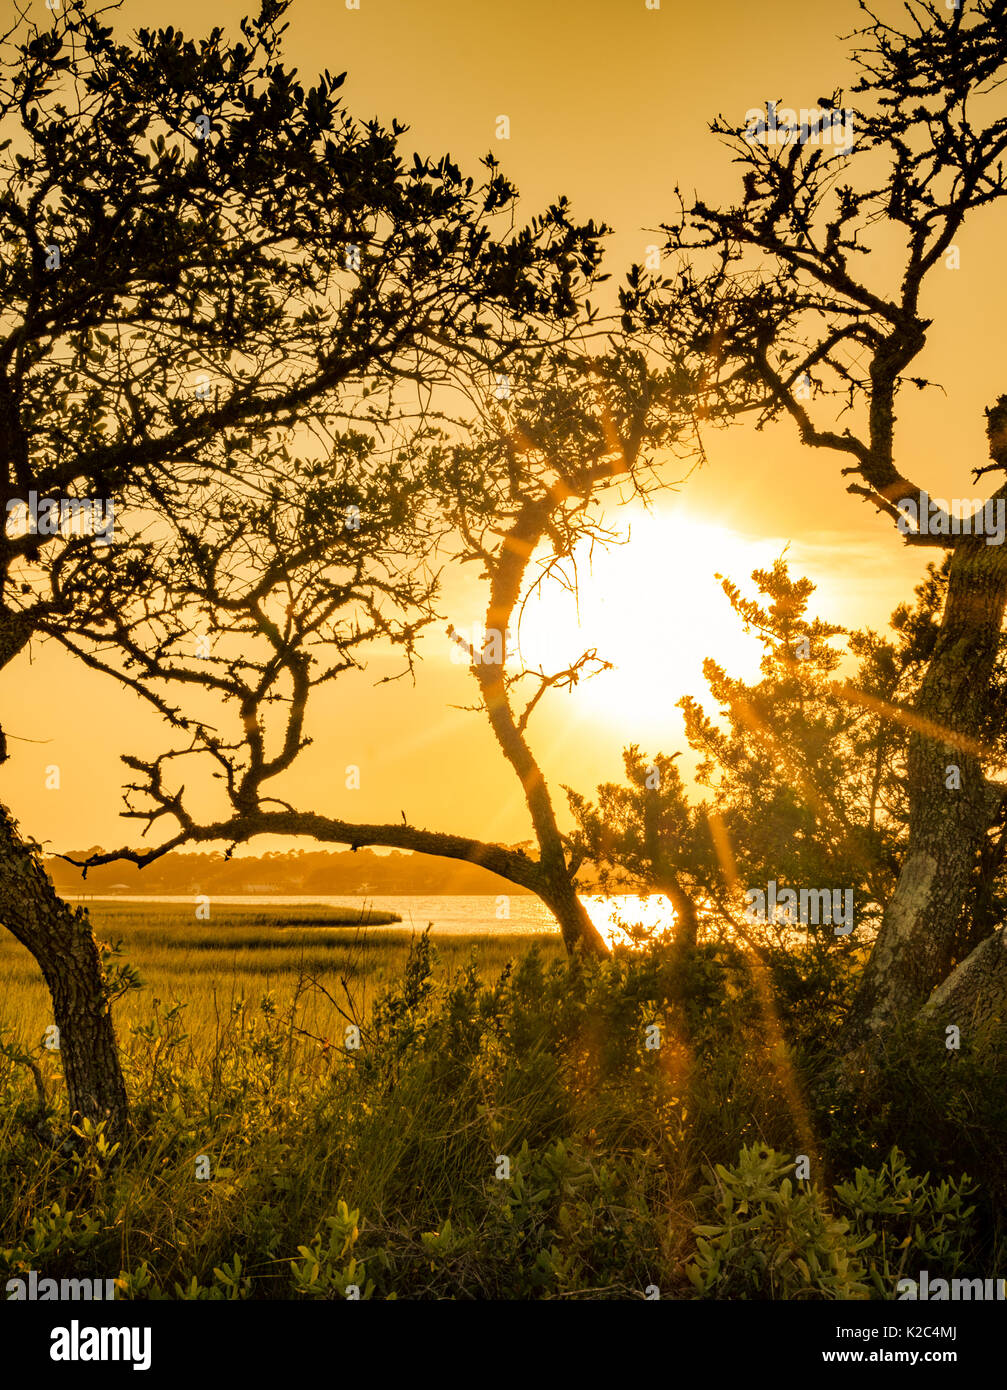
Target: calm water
{"points": [[450, 914]]}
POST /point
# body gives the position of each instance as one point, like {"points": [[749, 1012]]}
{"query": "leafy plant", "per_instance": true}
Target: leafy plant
{"points": [[911, 1219], [774, 1238], [323, 1271]]}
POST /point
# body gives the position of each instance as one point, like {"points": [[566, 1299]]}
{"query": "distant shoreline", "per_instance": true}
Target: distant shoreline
{"points": [[308, 912], [454, 914]]}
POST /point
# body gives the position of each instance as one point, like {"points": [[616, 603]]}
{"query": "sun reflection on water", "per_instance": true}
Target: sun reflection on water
{"points": [[612, 915]]}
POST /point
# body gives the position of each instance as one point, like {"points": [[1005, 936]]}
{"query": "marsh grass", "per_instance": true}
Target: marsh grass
{"points": [[242, 954]]}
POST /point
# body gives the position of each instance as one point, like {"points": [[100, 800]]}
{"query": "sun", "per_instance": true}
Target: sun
{"points": [[654, 609]]}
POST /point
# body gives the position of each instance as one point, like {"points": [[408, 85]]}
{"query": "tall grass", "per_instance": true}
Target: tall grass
{"points": [[512, 1125], [242, 954]]}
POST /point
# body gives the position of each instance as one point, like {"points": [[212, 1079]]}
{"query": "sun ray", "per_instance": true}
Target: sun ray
{"points": [[779, 1051]]}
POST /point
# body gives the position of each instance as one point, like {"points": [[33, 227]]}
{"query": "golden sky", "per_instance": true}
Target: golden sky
{"points": [[608, 103]]}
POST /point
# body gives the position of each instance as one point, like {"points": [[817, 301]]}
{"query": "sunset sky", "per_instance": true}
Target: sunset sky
{"points": [[608, 103]]}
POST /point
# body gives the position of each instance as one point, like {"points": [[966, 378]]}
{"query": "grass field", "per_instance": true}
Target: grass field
{"points": [[244, 953]]}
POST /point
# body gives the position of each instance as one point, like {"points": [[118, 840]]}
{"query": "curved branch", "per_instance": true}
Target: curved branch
{"points": [[511, 864]]}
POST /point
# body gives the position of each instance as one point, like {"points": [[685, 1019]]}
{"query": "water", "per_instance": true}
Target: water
{"points": [[449, 914]]}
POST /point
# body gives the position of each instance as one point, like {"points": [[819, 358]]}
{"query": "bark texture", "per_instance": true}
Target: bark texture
{"points": [[974, 996], [61, 941], [923, 923], [558, 889]]}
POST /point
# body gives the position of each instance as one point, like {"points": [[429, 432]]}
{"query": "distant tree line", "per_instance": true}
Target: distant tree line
{"points": [[323, 872]]}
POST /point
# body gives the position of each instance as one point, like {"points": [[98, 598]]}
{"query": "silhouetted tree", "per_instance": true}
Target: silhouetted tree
{"points": [[518, 492], [779, 304], [203, 260]]}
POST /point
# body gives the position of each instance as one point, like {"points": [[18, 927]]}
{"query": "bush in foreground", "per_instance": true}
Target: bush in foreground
{"points": [[565, 1130]]}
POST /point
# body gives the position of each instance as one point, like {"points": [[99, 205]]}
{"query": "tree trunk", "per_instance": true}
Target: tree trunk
{"points": [[61, 941], [974, 996], [923, 922], [687, 931], [559, 893], [558, 889], [665, 880]]}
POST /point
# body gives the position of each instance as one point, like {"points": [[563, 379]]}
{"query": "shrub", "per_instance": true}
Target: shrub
{"points": [[774, 1239], [777, 1239]]}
